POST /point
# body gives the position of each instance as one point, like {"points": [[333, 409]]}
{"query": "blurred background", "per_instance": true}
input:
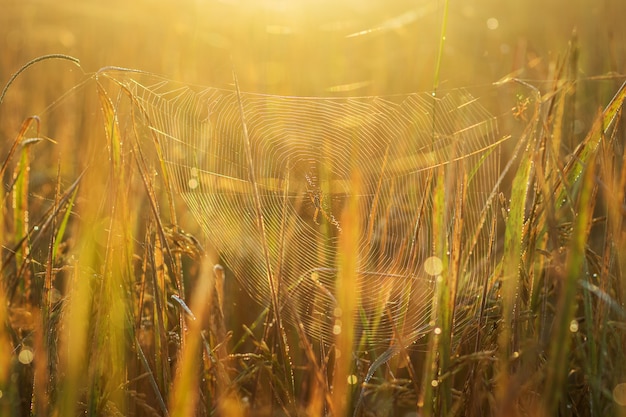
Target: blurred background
{"points": [[316, 47]]}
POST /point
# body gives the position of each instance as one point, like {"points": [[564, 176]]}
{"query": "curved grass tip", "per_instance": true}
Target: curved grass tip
{"points": [[33, 62]]}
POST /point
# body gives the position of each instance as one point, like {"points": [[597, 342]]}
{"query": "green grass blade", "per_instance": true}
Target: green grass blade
{"points": [[63, 224], [428, 396], [576, 265], [512, 259], [588, 147]]}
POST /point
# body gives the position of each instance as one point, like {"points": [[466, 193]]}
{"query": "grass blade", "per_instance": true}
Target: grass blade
{"points": [[560, 348]]}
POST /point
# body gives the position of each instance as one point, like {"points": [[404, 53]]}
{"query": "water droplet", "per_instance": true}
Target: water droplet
{"points": [[352, 379], [26, 356], [337, 328], [434, 383], [573, 326], [437, 330]]}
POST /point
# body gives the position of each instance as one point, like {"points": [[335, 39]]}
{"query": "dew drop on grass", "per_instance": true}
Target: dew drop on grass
{"points": [[434, 383], [26, 356], [437, 330], [573, 326], [352, 379], [337, 327]]}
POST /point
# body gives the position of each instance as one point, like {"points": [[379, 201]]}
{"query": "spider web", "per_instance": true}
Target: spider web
{"points": [[303, 154]]}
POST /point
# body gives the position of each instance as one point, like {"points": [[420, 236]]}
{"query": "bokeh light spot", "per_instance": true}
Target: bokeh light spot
{"points": [[433, 266], [619, 394], [492, 23]]}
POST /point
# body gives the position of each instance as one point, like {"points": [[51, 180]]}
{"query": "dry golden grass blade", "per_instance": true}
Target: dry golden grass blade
{"points": [[6, 353], [73, 346], [345, 312], [260, 221], [448, 300], [184, 398], [31, 63]]}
